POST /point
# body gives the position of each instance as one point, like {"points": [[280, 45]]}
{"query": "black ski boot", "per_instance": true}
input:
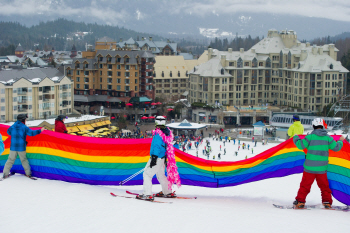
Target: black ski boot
{"points": [[298, 205]]}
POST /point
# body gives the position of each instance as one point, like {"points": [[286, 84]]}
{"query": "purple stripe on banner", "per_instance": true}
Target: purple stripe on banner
{"points": [[340, 196], [268, 175]]}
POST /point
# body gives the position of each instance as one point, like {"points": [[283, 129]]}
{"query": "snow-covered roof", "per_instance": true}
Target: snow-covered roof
{"points": [[211, 68], [186, 125], [35, 123]]}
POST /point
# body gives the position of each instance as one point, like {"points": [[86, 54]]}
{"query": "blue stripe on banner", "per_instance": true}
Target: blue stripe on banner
{"points": [[241, 178], [338, 178], [262, 167], [340, 187]]}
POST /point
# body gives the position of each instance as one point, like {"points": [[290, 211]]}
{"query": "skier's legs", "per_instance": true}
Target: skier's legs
{"points": [[147, 177], [305, 186], [322, 182], [162, 178], [25, 163], [9, 163]]}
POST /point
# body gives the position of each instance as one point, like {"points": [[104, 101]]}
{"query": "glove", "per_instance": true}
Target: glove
{"points": [[153, 161]]}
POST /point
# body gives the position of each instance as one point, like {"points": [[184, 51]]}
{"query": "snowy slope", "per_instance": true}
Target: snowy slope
{"points": [[56, 206]]}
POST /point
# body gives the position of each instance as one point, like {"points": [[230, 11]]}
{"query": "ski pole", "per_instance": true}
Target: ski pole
{"points": [[131, 177]]}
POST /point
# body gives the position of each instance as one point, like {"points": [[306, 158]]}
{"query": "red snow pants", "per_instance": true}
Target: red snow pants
{"points": [[322, 182]]}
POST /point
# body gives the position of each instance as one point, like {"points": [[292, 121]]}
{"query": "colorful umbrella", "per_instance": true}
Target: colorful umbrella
{"points": [[158, 103], [128, 104], [144, 118], [170, 109], [151, 117], [153, 104]]}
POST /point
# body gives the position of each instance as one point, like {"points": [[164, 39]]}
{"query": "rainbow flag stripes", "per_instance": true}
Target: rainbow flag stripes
{"points": [[99, 161]]}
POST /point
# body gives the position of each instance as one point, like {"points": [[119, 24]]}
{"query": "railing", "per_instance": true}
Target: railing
{"points": [[46, 90], [46, 107], [22, 93], [22, 109], [22, 101], [46, 100]]}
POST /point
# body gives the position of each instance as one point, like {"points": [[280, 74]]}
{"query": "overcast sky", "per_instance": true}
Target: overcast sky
{"points": [[120, 9]]}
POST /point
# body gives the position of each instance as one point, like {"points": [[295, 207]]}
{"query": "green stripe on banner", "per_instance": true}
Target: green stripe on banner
{"points": [[264, 162], [186, 165], [339, 170]]}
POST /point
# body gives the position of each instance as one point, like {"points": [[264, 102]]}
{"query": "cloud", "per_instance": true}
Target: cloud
{"points": [[115, 12], [59, 8], [330, 9]]}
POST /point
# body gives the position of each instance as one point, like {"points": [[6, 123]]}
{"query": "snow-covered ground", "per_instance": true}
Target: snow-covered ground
{"points": [[56, 206]]}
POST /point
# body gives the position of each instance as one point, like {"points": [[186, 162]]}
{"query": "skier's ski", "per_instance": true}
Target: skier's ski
{"points": [[309, 207], [2, 178], [31, 177], [115, 195], [128, 192]]}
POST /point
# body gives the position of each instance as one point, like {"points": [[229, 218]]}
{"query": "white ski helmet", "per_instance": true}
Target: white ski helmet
{"points": [[319, 122], [160, 120]]}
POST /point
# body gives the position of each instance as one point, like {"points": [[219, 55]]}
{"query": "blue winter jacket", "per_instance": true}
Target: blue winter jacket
{"points": [[176, 145], [18, 132], [158, 147], [2, 146]]}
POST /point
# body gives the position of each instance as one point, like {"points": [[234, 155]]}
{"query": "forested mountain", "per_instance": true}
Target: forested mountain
{"points": [[54, 34]]}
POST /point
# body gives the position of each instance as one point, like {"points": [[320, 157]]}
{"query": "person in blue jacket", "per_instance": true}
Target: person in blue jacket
{"points": [[18, 132], [176, 145], [156, 164]]}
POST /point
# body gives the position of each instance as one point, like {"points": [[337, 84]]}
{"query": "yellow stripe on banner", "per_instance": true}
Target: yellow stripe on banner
{"points": [[88, 158], [4, 137], [339, 162], [240, 166]]}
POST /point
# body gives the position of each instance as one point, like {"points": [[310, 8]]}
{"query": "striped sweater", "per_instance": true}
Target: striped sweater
{"points": [[318, 144]]}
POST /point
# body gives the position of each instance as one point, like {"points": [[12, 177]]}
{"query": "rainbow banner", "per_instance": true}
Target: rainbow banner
{"points": [[104, 161]]}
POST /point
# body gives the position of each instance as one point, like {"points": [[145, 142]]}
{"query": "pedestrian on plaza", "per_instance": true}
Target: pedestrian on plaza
{"points": [[219, 156], [60, 127], [234, 141], [224, 151], [253, 139], [220, 147], [256, 143]]}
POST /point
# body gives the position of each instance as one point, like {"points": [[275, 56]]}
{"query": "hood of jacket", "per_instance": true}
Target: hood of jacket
{"points": [[319, 132]]}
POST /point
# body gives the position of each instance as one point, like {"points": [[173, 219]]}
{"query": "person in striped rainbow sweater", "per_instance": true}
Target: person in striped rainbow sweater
{"points": [[318, 144]]}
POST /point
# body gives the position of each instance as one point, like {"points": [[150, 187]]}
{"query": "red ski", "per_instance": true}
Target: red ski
{"points": [[128, 192], [115, 195]]}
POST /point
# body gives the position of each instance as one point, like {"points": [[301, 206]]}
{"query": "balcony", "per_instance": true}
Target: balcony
{"points": [[64, 97], [46, 100], [22, 93], [23, 109], [22, 101], [46, 90], [46, 107]]}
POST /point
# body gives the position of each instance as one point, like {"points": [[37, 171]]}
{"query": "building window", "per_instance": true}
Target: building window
{"points": [[171, 74], [163, 74], [109, 73], [127, 88], [86, 86], [127, 81], [100, 58], [86, 65], [118, 80], [127, 59], [78, 86], [78, 72], [136, 74], [109, 66], [109, 80], [109, 87], [127, 74], [100, 72], [100, 66], [127, 67], [109, 59], [2, 100], [118, 60], [86, 80], [118, 87], [119, 74]]}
